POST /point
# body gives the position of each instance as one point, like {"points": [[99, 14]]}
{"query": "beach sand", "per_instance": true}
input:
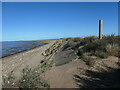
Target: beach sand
{"points": [[29, 58]]}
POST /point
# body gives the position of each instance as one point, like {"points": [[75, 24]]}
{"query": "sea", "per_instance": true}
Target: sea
{"points": [[10, 48]]}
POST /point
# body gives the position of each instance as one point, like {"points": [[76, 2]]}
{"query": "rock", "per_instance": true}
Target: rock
{"points": [[63, 57]]}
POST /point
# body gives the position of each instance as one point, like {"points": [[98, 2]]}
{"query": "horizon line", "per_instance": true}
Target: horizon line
{"points": [[60, 1]]}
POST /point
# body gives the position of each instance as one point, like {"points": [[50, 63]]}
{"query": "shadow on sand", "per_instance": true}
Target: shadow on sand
{"points": [[109, 78]]}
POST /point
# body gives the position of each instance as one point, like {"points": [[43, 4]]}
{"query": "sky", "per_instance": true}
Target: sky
{"points": [[52, 20]]}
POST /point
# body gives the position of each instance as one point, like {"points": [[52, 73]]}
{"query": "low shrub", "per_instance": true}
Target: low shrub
{"points": [[112, 49], [46, 66], [108, 46], [101, 54], [88, 60], [88, 40], [9, 80], [86, 57], [31, 79]]}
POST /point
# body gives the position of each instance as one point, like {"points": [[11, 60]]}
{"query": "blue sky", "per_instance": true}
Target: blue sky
{"points": [[41, 20]]}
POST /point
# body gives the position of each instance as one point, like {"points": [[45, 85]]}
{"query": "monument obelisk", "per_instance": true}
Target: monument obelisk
{"points": [[100, 29]]}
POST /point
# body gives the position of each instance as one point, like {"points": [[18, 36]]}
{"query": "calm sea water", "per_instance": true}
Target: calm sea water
{"points": [[9, 48]]}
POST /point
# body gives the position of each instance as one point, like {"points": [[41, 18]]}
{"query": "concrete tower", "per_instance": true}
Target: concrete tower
{"points": [[100, 29]]}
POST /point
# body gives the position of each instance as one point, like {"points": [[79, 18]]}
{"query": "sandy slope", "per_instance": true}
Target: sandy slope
{"points": [[64, 76], [19, 61]]}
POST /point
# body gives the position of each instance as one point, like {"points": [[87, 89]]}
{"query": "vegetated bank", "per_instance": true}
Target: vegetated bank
{"points": [[95, 53]]}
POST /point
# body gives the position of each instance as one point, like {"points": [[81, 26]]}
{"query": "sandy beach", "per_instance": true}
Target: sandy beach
{"points": [[29, 58]]}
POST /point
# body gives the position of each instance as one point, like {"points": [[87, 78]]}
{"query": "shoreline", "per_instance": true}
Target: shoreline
{"points": [[41, 42], [22, 51], [29, 40], [20, 60]]}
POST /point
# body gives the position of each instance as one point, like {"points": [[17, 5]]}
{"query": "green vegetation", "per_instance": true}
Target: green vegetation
{"points": [[41, 42], [9, 80], [30, 78], [88, 59], [108, 46], [94, 47], [47, 66]]}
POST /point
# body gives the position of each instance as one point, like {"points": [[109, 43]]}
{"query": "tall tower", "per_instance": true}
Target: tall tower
{"points": [[100, 29]]}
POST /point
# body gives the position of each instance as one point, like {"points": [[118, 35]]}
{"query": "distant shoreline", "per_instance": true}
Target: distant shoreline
{"points": [[22, 59], [28, 40], [21, 51], [44, 42]]}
